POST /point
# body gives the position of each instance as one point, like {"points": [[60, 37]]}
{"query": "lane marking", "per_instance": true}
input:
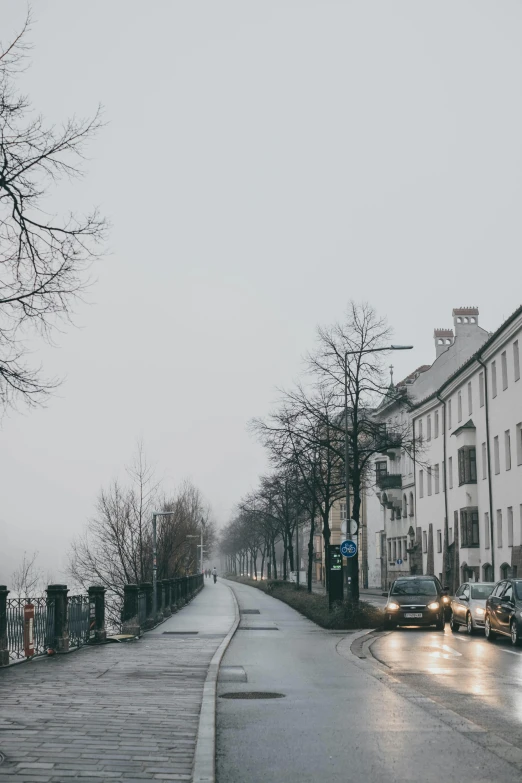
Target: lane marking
{"points": [[511, 652]]}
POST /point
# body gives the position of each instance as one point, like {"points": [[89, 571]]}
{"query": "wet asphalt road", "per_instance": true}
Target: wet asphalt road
{"points": [[480, 680], [348, 718]]}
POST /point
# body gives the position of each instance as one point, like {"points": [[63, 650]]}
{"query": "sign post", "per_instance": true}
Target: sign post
{"points": [[335, 565], [29, 630]]}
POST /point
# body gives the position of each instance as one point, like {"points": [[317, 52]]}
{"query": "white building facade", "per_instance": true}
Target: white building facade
{"points": [[450, 504]]}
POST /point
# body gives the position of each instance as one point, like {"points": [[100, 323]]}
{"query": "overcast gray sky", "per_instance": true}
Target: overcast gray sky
{"points": [[263, 163]]}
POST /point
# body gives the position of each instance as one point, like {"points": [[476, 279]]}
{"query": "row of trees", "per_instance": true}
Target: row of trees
{"points": [[116, 547], [342, 386]]}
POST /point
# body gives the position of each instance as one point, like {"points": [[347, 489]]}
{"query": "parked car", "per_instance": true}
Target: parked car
{"points": [[468, 607], [415, 600], [503, 607]]}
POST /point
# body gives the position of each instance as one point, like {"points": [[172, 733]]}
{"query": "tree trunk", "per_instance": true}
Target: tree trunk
{"points": [[274, 559], [285, 558], [263, 562], [291, 553], [311, 553], [326, 538]]}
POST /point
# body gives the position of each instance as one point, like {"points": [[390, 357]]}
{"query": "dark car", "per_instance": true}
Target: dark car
{"points": [[416, 600], [503, 607]]}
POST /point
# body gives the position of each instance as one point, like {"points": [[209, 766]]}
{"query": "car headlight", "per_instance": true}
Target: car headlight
{"points": [[479, 610], [392, 606], [445, 599], [434, 605]]}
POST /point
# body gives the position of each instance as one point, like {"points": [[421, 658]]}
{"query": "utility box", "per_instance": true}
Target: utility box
{"points": [[335, 567]]}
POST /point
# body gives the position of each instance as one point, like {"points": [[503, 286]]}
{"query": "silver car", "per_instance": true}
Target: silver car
{"points": [[468, 607]]}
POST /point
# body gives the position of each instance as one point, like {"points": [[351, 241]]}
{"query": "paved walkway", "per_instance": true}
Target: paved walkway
{"points": [[126, 711]]}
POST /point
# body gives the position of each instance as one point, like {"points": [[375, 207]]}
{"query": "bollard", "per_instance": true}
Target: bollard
{"points": [[4, 649], [130, 616], [97, 632], [167, 611], [146, 587], [57, 598]]}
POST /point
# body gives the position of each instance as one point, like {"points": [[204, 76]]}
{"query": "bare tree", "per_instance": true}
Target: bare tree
{"points": [[43, 258], [354, 350], [27, 578]]}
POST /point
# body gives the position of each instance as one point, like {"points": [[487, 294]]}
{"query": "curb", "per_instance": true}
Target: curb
{"points": [[205, 754]]}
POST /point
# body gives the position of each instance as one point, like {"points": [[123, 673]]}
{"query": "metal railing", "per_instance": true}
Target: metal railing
{"points": [[43, 626], [79, 617]]}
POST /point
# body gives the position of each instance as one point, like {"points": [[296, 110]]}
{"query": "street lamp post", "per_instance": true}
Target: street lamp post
{"points": [[353, 563], [200, 545]]}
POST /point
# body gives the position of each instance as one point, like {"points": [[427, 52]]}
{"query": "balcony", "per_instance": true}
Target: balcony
{"points": [[388, 440], [389, 481]]}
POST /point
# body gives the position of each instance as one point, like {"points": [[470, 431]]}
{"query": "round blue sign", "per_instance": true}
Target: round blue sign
{"points": [[348, 548], [399, 561]]}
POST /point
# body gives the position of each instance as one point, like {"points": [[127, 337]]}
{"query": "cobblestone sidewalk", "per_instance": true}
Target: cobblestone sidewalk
{"points": [[125, 711]]}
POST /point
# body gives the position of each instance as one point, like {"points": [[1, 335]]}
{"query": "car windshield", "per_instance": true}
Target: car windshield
{"points": [[481, 592], [518, 588], [415, 587]]}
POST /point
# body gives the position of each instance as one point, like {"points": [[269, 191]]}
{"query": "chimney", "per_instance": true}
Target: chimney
{"points": [[443, 339], [464, 318]]}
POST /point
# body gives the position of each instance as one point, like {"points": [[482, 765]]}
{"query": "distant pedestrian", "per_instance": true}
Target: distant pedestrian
{"points": [[214, 574]]}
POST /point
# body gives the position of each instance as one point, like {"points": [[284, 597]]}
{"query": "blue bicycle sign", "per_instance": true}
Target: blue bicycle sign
{"points": [[348, 548]]}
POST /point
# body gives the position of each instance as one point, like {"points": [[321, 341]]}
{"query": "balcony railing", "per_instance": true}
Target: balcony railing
{"points": [[388, 440], [389, 481]]}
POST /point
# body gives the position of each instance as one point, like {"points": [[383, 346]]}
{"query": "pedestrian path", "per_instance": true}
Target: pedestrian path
{"points": [[125, 711]]}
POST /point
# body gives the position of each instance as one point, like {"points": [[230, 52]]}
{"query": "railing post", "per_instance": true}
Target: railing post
{"points": [[159, 601], [130, 617], [4, 649], [172, 594], [167, 611], [97, 632], [57, 597], [146, 587]]}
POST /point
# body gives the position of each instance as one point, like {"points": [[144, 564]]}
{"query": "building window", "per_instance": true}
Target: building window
{"points": [[503, 361], [405, 549], [420, 429], [389, 549], [469, 527], [439, 540], [486, 530], [449, 414], [510, 525], [459, 407], [456, 522], [481, 389], [429, 482], [450, 472], [424, 541], [519, 443], [428, 428], [436, 424], [467, 465], [516, 360], [494, 379], [484, 461], [394, 549], [470, 399], [412, 507], [507, 449], [437, 479], [404, 506], [421, 483], [496, 454], [342, 511], [487, 570], [499, 528]]}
